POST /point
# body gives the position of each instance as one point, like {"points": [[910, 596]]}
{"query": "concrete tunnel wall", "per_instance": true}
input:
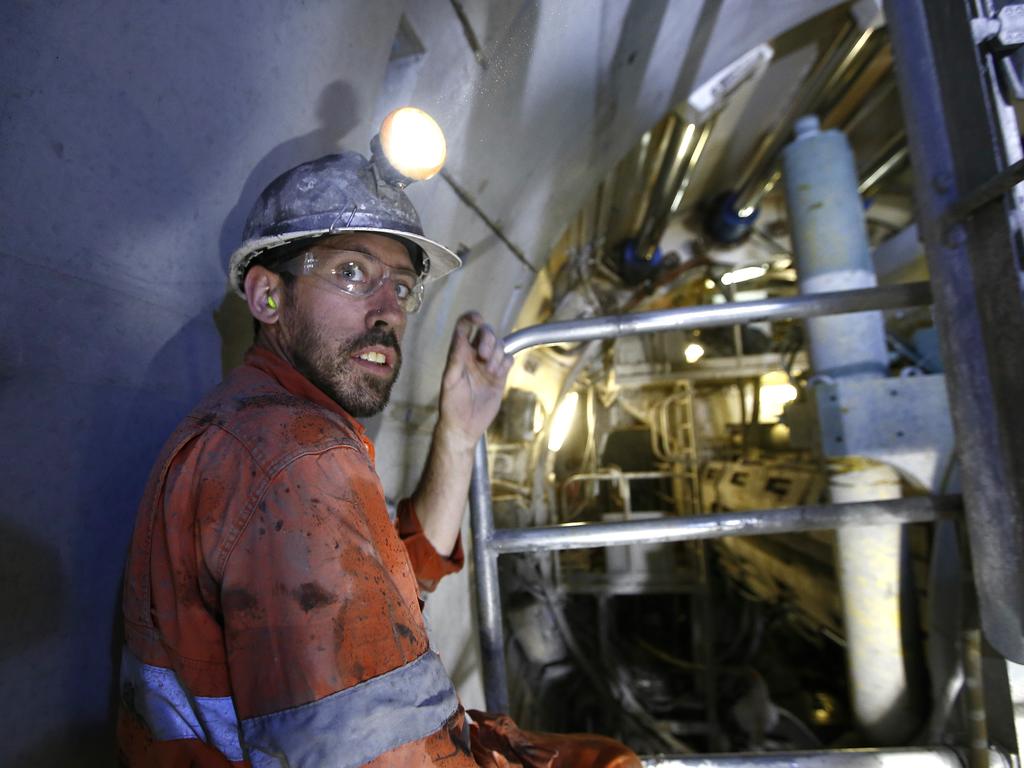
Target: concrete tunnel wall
{"points": [[133, 138]]}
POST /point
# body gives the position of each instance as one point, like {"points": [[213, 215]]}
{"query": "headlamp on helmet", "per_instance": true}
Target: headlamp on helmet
{"points": [[347, 193]]}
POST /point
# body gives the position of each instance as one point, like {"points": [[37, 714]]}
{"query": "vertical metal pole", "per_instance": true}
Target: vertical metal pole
{"points": [[975, 272], [488, 590], [974, 689]]}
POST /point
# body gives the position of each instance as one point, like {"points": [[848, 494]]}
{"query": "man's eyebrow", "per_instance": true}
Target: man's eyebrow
{"points": [[348, 249], [366, 251]]}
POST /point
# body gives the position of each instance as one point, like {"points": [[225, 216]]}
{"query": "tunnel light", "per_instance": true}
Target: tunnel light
{"points": [[693, 352], [746, 212], [562, 421], [709, 284], [684, 145], [538, 418], [743, 274], [413, 143], [776, 391]]}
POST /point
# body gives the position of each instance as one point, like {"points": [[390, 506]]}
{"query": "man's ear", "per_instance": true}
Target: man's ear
{"points": [[263, 294]]}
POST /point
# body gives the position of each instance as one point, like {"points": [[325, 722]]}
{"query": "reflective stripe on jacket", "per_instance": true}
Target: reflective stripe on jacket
{"points": [[272, 612]]}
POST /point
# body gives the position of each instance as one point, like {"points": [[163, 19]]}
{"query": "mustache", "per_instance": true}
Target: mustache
{"points": [[374, 337]]}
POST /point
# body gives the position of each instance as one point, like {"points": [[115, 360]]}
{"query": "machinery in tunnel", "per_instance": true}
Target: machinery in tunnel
{"points": [[861, 636]]}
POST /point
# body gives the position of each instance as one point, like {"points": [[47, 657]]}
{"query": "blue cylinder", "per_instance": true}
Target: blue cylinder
{"points": [[724, 222], [831, 247]]}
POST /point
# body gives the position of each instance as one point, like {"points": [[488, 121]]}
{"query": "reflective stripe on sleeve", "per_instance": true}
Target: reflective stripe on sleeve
{"points": [[171, 713], [352, 727]]}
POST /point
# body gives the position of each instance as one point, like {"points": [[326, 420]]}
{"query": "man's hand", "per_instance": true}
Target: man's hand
{"points": [[473, 383], [471, 390]]}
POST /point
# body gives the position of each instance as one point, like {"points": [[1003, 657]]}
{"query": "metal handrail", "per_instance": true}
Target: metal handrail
{"points": [[486, 540], [915, 509], [906, 757], [622, 478], [720, 315], [610, 473]]}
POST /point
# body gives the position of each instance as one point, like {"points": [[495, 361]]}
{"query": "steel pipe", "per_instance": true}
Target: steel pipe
{"points": [[485, 560], [937, 757], [919, 509], [830, 243], [716, 315], [759, 167]]}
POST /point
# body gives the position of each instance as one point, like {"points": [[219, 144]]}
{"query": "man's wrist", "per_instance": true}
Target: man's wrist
{"points": [[453, 440]]}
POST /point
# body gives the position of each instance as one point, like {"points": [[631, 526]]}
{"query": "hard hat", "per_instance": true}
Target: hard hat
{"points": [[334, 194]]}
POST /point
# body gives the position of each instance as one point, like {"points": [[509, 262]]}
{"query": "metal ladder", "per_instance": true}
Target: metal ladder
{"points": [[972, 247]]}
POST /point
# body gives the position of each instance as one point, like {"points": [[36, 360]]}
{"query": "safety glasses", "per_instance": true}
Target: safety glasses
{"points": [[358, 274]]}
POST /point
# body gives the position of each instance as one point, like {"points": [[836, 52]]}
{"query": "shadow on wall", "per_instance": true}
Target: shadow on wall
{"points": [[338, 113], [29, 568], [60, 586], [145, 419]]}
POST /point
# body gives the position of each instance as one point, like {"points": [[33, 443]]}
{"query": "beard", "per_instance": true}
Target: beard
{"points": [[360, 393]]}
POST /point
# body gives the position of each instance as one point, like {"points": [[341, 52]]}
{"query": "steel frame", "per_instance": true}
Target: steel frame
{"points": [[488, 543], [960, 171], [962, 181]]}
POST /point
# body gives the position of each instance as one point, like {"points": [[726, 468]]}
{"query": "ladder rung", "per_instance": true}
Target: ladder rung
{"points": [[916, 509]]}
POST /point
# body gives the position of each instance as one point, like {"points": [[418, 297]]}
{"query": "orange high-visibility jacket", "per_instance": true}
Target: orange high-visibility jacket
{"points": [[271, 608]]}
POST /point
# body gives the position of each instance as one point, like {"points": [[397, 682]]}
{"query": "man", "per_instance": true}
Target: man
{"points": [[272, 612]]}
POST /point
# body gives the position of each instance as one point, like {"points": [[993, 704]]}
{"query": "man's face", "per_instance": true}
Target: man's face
{"points": [[348, 345]]}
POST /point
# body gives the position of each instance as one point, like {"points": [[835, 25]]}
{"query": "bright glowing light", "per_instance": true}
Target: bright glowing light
{"points": [[413, 143], [776, 391], [746, 212], [693, 352], [562, 422], [743, 274], [709, 284], [783, 263], [684, 145]]}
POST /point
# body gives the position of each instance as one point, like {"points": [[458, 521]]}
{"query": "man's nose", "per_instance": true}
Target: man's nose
{"points": [[385, 309]]}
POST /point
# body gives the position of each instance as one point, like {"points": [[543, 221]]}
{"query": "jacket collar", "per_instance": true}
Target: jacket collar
{"points": [[295, 383]]}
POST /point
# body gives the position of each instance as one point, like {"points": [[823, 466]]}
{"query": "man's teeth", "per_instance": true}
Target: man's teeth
{"points": [[374, 357]]}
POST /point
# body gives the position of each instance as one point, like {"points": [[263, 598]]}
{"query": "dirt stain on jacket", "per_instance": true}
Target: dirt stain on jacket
{"points": [[311, 595]]}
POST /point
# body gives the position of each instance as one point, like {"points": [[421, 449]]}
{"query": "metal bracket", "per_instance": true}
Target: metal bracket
{"points": [[1003, 34], [903, 422], [1004, 31]]}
